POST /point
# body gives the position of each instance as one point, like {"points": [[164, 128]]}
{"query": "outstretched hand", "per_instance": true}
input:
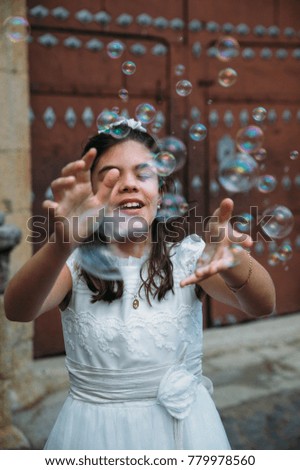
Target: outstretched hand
{"points": [[223, 243], [74, 199]]}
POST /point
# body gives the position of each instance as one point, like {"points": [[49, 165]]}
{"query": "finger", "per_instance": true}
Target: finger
{"points": [[193, 279], [49, 205], [89, 158], [226, 209], [60, 185], [107, 185], [73, 167], [111, 177], [81, 168], [242, 239]]}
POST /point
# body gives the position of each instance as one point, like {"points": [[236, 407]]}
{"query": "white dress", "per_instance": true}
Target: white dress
{"points": [[135, 375]]}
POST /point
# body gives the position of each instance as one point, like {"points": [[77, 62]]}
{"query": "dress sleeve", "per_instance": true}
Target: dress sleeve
{"points": [[72, 263], [188, 252]]}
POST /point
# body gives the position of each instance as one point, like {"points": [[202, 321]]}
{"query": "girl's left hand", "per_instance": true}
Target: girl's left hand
{"points": [[219, 253]]}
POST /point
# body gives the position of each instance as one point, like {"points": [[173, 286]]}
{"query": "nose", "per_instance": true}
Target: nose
{"points": [[128, 183]]}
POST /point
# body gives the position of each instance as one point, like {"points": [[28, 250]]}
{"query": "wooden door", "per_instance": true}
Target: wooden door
{"points": [[72, 79]]}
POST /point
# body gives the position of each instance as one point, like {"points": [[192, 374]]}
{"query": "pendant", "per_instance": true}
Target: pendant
{"points": [[135, 303]]}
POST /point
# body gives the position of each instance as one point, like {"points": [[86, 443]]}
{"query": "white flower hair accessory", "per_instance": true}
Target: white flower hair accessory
{"points": [[122, 121]]}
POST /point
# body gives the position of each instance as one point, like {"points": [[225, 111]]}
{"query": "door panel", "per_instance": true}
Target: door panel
{"points": [[71, 82]]}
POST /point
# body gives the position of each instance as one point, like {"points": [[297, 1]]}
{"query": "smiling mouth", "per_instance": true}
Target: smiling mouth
{"points": [[131, 206]]}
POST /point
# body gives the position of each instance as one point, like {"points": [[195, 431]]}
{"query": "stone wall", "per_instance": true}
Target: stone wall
{"points": [[15, 196]]}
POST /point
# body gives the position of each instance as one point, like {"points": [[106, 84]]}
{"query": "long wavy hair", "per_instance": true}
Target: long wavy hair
{"points": [[164, 236]]}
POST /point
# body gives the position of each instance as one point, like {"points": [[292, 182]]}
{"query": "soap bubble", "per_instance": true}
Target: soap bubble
{"points": [[238, 174], [285, 251], [179, 69], [198, 132], [259, 114], [183, 87], [266, 183], [260, 155], [244, 222], [156, 126], [294, 154], [227, 48], [123, 94], [99, 261], [281, 222], [273, 259], [16, 28], [176, 147], [172, 205], [100, 255], [119, 129], [227, 77], [145, 113], [249, 139], [128, 67], [115, 49], [105, 119], [165, 163]]}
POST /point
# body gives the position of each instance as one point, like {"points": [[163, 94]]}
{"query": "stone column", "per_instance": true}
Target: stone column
{"points": [[15, 202], [10, 436]]}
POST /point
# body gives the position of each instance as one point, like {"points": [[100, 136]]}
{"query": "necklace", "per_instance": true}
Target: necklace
{"points": [[135, 302]]}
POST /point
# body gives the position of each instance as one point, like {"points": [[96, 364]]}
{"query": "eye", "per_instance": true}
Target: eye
{"points": [[145, 171]]}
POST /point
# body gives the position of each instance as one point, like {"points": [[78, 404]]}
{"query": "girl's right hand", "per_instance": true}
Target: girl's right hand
{"points": [[76, 208]]}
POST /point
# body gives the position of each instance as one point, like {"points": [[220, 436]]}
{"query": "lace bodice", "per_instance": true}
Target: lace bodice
{"points": [[116, 336]]}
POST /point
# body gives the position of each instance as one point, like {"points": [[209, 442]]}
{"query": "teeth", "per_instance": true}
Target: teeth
{"points": [[130, 205]]}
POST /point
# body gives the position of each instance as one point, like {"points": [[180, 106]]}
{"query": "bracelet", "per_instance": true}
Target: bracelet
{"points": [[250, 267]]}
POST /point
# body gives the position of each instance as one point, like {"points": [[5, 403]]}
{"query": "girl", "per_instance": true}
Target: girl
{"points": [[134, 345]]}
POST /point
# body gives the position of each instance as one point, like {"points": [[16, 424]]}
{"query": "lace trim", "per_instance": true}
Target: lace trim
{"points": [[84, 329]]}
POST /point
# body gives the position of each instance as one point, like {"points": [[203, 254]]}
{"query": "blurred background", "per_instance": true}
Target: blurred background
{"points": [[217, 84]]}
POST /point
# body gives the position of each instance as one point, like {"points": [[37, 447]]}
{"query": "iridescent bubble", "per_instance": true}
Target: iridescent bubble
{"points": [[105, 119], [260, 155], [294, 154], [145, 113], [100, 254], [128, 67], [119, 129], [227, 77], [16, 28], [100, 261], [266, 183], [165, 163], [281, 222], [198, 132], [259, 114], [172, 205], [179, 69], [250, 139], [273, 259], [123, 94], [227, 48], [115, 49], [244, 222], [183, 87], [156, 127], [176, 147], [239, 174], [285, 251]]}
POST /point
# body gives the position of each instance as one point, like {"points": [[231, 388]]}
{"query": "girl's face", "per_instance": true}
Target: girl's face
{"points": [[136, 192]]}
